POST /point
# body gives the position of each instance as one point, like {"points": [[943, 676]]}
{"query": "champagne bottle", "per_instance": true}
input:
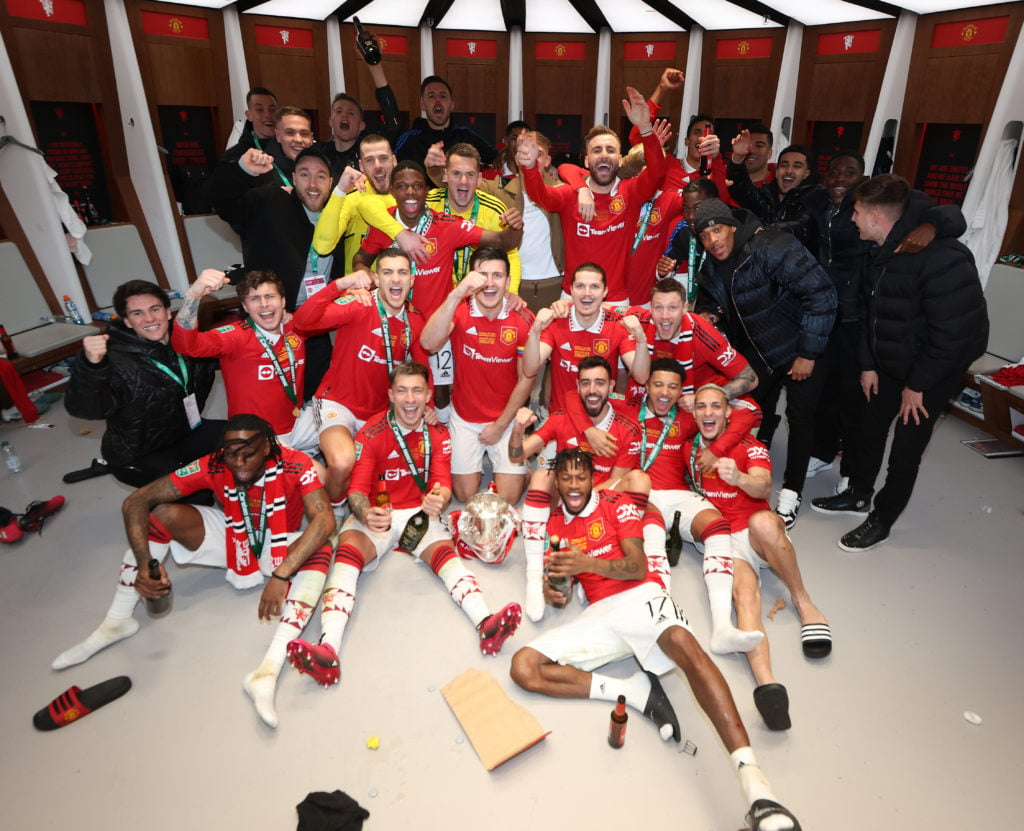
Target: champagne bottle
{"points": [[416, 527], [369, 46], [673, 542], [617, 727], [705, 161], [559, 584], [157, 606]]}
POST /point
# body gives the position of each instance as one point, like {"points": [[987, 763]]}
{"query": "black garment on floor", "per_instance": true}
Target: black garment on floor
{"points": [[322, 811]]}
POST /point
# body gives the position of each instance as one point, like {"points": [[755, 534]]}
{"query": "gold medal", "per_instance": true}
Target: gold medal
{"points": [[296, 411]]}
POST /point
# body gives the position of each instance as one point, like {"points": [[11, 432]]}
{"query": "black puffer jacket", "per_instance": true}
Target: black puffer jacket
{"points": [[925, 313], [785, 301], [787, 212], [143, 407]]}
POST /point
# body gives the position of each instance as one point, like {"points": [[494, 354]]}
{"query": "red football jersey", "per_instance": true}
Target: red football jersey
{"points": [[558, 427], [300, 479], [486, 354], [445, 235], [379, 455], [641, 274], [358, 374], [667, 471], [570, 344], [733, 502], [250, 377], [597, 530], [608, 237]]}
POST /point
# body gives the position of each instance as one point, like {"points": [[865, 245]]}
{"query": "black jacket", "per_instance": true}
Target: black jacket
{"points": [[925, 316], [277, 230], [778, 297], [415, 142], [340, 159], [142, 405], [788, 212]]}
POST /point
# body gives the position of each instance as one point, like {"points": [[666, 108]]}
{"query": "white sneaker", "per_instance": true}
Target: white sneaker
{"points": [[844, 483], [787, 506], [816, 466]]}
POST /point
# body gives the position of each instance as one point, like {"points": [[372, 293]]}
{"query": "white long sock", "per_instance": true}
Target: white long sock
{"points": [[654, 548], [464, 590], [535, 513], [755, 786], [339, 599], [261, 684], [718, 577], [118, 623]]}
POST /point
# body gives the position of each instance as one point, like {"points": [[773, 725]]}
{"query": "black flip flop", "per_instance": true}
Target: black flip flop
{"points": [[75, 702], [763, 808], [772, 702], [99, 467]]}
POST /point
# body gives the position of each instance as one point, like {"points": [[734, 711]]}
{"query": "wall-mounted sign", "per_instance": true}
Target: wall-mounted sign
{"points": [[54, 11], [175, 25], [948, 152], [560, 50], [288, 37], [652, 50], [970, 32], [849, 43], [67, 134], [827, 137], [728, 48], [187, 134], [471, 48]]}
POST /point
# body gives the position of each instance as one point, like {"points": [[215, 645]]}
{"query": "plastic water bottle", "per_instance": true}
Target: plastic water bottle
{"points": [[11, 457], [72, 309]]}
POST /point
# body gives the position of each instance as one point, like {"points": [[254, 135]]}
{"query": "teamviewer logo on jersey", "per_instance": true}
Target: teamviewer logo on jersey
{"points": [[582, 229], [366, 353], [265, 372]]}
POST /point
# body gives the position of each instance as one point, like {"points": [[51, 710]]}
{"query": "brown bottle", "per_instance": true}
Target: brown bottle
{"points": [[383, 498], [369, 46], [617, 727], [157, 606], [8, 344]]}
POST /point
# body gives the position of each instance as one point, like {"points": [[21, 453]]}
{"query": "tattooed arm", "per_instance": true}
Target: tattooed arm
{"points": [[632, 565], [209, 281]]}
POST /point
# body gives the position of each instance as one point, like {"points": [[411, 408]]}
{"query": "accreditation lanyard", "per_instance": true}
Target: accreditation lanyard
{"points": [[286, 377], [461, 260], [419, 478], [696, 477], [256, 532], [280, 173], [668, 421], [385, 332], [182, 380], [645, 218]]}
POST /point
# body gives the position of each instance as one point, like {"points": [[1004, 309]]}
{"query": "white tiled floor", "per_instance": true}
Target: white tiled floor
{"points": [[926, 627]]}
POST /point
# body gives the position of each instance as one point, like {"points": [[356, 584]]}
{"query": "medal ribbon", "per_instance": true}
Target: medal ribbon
{"points": [[418, 478], [645, 217], [668, 421], [385, 332], [287, 380], [696, 477], [462, 255], [256, 533]]}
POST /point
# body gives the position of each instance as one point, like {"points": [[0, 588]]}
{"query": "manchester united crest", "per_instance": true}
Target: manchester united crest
{"points": [[595, 530], [617, 205], [431, 246], [601, 346], [508, 334]]}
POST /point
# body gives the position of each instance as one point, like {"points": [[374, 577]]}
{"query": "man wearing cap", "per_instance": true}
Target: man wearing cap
{"points": [[278, 228], [777, 305]]}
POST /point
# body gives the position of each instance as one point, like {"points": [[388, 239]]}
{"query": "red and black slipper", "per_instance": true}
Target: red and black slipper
{"points": [[37, 512], [75, 702]]}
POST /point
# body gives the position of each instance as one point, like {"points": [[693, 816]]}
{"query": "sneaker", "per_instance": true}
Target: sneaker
{"points": [[788, 505], [816, 466], [9, 530], [846, 502], [871, 532], [844, 483]]}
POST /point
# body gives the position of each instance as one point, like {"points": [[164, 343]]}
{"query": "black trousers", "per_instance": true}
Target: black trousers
{"points": [[838, 424], [908, 443], [802, 399]]}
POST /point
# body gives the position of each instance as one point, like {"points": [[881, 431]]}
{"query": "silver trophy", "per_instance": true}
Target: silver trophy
{"points": [[486, 526]]}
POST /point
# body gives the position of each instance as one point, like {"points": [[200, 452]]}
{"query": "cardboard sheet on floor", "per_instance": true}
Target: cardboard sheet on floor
{"points": [[498, 727]]}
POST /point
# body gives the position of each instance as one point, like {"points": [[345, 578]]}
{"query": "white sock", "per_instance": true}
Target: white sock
{"points": [[339, 599], [118, 623], [261, 685], [296, 611], [464, 590], [654, 548], [718, 575], [755, 786], [444, 414], [636, 688], [535, 513]]}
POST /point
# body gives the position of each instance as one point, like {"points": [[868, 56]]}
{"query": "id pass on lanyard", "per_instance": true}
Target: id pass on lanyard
{"points": [[314, 282], [189, 399]]}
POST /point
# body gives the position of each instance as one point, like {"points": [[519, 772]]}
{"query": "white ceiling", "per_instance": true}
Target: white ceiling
{"points": [[622, 15]]}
